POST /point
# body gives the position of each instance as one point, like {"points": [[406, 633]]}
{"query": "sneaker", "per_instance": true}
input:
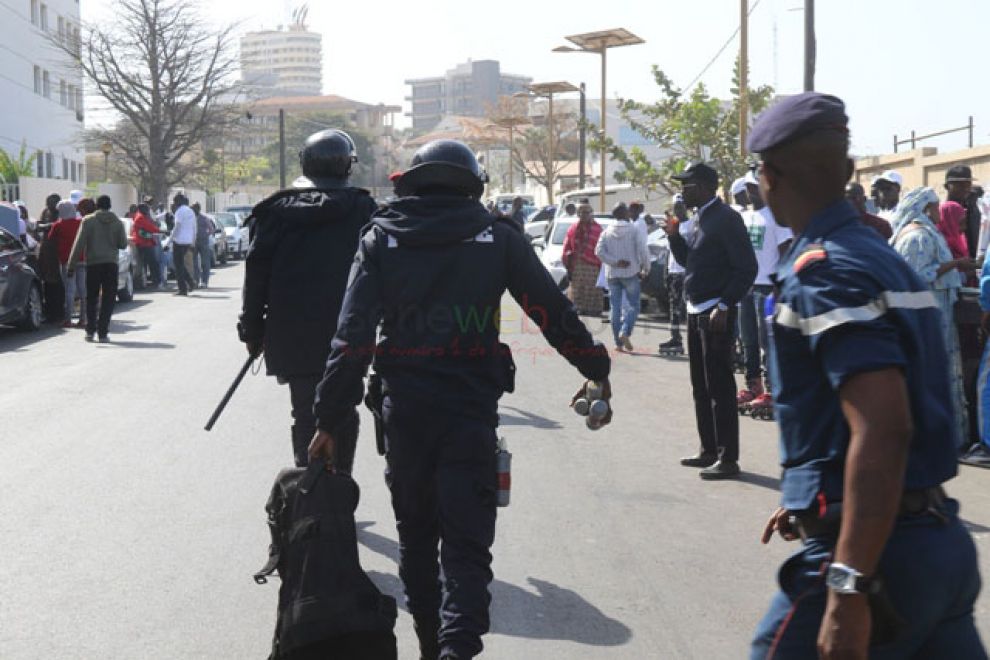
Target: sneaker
{"points": [[699, 460], [90, 336], [627, 343], [978, 456]]}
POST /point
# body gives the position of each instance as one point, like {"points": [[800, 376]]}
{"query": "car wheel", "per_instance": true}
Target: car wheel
{"points": [[222, 256], [126, 293], [31, 320]]}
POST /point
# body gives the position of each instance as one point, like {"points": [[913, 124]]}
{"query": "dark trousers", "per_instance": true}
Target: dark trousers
{"points": [[931, 575], [714, 386], [101, 288], [54, 305], [182, 274], [753, 330], [441, 472], [675, 298], [149, 264], [302, 392]]}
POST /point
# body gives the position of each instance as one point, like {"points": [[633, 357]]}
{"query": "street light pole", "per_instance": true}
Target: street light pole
{"points": [[601, 164], [600, 42], [281, 149], [810, 47], [743, 76], [582, 140], [106, 148]]}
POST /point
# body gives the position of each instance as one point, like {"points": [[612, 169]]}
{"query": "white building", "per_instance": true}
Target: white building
{"points": [[282, 62], [40, 91]]}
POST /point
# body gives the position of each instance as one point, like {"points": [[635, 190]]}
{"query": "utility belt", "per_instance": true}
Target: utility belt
{"points": [[926, 501]]}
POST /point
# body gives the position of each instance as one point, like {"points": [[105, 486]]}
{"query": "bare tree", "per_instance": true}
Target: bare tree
{"points": [[169, 78], [532, 151]]}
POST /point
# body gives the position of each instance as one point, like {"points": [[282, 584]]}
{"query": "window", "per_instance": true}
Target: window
{"points": [[44, 17], [39, 162], [65, 168], [63, 93], [50, 165], [71, 97], [37, 79], [79, 102], [46, 85], [34, 12], [61, 30]]}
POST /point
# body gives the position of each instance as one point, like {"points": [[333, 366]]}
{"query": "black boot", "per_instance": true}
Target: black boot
{"points": [[429, 644], [301, 437]]}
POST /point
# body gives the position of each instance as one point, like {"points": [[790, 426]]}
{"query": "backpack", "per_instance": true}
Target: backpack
{"points": [[327, 605]]}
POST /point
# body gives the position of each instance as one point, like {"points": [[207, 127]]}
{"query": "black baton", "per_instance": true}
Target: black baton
{"points": [[230, 392]]}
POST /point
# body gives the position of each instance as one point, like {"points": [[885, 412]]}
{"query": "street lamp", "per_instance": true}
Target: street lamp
{"points": [[106, 148], [600, 42], [547, 90]]}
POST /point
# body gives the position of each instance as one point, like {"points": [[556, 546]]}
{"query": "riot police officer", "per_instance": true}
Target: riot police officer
{"points": [[302, 245], [862, 392], [432, 268]]}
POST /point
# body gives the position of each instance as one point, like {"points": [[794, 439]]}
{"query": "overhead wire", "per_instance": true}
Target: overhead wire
{"points": [[721, 50]]}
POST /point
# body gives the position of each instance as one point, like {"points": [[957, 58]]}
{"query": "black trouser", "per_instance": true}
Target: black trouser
{"points": [[149, 264], [302, 392], [54, 305], [441, 472], [714, 385], [101, 287], [182, 275]]}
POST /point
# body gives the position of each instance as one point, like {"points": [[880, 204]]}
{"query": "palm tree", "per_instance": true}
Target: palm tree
{"points": [[12, 170]]}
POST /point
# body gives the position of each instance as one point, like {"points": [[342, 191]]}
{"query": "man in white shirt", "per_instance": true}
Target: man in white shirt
{"points": [[622, 249], [770, 241], [183, 237]]}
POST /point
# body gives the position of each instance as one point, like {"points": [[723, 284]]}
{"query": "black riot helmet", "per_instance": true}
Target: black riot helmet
{"points": [[326, 159], [446, 166]]}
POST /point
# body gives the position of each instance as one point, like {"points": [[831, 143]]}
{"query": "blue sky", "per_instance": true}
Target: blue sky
{"points": [[899, 64]]}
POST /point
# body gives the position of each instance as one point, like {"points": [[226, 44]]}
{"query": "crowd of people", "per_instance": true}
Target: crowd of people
{"points": [[75, 274]]}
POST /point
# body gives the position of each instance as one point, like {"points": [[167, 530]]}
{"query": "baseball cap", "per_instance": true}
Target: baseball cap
{"points": [[698, 172], [892, 177], [738, 186], [958, 173]]}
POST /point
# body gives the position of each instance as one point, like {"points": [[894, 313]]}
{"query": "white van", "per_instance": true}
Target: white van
{"points": [[655, 201]]}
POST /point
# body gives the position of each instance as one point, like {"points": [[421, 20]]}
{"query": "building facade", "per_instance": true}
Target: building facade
{"points": [[41, 91], [282, 62], [469, 90]]}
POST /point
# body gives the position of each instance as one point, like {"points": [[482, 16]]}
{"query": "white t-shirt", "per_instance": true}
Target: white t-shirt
{"points": [[686, 227], [766, 236], [184, 232]]}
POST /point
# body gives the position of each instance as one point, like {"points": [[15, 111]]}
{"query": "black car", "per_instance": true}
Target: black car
{"points": [[20, 287]]}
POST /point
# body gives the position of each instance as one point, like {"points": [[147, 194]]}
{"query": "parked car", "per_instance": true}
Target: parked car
{"points": [[20, 286], [218, 242], [538, 221], [553, 247], [236, 233]]}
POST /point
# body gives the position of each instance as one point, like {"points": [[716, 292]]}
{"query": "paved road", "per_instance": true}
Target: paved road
{"points": [[129, 532]]}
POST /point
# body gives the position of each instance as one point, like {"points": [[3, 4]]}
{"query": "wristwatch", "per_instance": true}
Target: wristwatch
{"points": [[844, 579]]}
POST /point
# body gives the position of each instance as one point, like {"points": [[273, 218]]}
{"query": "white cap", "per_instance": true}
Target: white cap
{"points": [[678, 197], [751, 179], [892, 177], [75, 196], [738, 186]]}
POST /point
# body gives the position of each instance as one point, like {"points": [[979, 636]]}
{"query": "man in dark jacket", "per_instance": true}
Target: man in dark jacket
{"points": [[720, 267], [302, 246], [433, 268]]}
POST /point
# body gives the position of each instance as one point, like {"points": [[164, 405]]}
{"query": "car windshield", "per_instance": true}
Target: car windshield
{"points": [[560, 231], [226, 219]]}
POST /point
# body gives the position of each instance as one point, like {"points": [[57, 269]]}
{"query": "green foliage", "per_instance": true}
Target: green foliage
{"points": [[12, 169], [693, 127]]}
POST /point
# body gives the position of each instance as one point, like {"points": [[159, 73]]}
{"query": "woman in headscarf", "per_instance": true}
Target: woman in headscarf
{"points": [[581, 263], [917, 238]]}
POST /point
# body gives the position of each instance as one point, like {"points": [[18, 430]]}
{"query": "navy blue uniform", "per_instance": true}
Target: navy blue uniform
{"points": [[433, 270], [302, 246], [848, 304]]}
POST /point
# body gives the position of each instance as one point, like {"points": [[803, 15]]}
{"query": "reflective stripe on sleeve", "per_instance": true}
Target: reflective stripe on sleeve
{"points": [[815, 325]]}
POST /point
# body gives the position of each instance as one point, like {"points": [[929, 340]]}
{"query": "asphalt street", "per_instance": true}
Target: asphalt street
{"points": [[130, 532]]}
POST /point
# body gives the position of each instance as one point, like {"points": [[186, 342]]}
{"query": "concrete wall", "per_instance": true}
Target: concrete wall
{"points": [[122, 195], [925, 167], [34, 191]]}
